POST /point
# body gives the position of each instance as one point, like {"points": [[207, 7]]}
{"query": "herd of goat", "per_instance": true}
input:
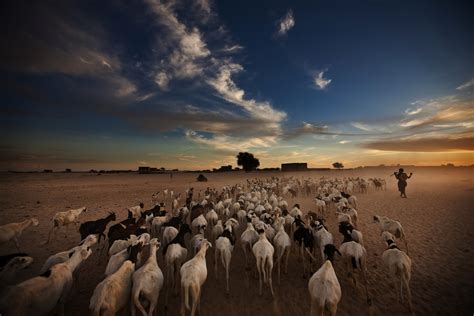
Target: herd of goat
{"points": [[270, 232]]}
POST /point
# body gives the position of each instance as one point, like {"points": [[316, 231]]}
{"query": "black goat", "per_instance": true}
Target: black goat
{"points": [[96, 227], [229, 235], [304, 238], [345, 228], [179, 239], [345, 195], [124, 229], [134, 251], [329, 251], [175, 221], [157, 210]]}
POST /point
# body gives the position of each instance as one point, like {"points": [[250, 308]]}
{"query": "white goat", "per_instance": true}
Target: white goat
{"points": [[13, 231], [147, 282], [120, 245], [324, 290], [158, 222], [193, 276], [391, 226], [64, 256], [282, 244], [169, 234], [211, 218], [197, 239], [199, 221], [263, 252], [399, 266], [116, 261], [224, 247], [174, 258], [322, 238], [217, 230], [136, 211], [241, 215], [320, 206], [40, 295], [113, 293], [65, 218], [248, 238], [355, 256]]}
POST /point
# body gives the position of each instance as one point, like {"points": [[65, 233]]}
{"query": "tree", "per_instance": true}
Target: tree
{"points": [[247, 161], [338, 165]]}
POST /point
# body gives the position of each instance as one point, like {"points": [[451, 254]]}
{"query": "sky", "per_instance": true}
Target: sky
{"points": [[189, 84]]}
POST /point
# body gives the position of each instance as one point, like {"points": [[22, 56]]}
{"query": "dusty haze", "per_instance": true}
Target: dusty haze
{"points": [[437, 217]]}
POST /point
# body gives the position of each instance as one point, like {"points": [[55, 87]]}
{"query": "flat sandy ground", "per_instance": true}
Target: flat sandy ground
{"points": [[437, 217]]}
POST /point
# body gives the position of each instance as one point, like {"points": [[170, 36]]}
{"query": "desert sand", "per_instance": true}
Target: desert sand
{"points": [[437, 217]]}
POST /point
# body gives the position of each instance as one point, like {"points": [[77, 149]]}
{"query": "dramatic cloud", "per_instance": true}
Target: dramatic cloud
{"points": [[188, 56], [187, 47], [466, 85], [285, 24], [429, 144], [320, 82], [57, 40], [215, 121]]}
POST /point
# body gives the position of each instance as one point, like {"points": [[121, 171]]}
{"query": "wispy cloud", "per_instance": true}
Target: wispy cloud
{"points": [[344, 141], [466, 85], [444, 110], [320, 82], [232, 48], [437, 125], [229, 91], [285, 24], [411, 111], [425, 144], [362, 126], [224, 143]]}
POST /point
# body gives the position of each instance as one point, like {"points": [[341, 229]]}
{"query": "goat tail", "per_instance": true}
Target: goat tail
{"points": [[186, 296], [355, 263], [223, 255], [136, 302], [96, 303], [262, 265]]}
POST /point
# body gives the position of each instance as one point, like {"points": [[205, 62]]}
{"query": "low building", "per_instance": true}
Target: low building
{"points": [[296, 166], [143, 170]]}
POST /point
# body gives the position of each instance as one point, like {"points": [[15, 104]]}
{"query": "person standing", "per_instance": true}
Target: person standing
{"points": [[402, 181]]}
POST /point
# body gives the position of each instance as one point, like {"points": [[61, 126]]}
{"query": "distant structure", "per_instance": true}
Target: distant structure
{"points": [[47, 171], [297, 166], [146, 170], [224, 168], [143, 170]]}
